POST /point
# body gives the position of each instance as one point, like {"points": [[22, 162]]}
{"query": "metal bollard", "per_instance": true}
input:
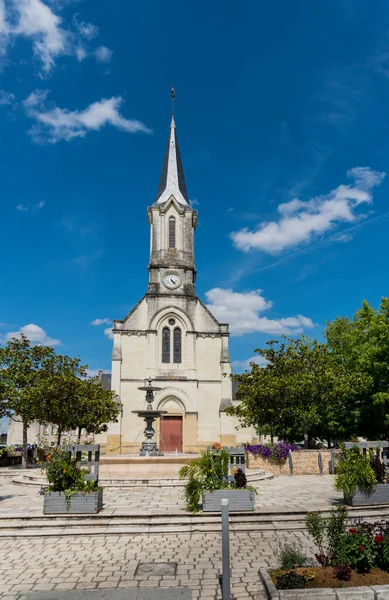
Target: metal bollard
{"points": [[320, 462], [226, 586], [290, 457]]}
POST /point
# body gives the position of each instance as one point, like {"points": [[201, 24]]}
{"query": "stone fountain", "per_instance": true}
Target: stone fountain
{"points": [[149, 446]]}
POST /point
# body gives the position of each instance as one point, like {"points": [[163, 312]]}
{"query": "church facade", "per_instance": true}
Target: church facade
{"points": [[171, 337]]}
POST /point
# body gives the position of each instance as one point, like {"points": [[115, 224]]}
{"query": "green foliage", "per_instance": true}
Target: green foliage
{"points": [[382, 551], [354, 472], [291, 581], [64, 475], [328, 533], [301, 389], [290, 556], [357, 551], [62, 472], [379, 469], [361, 344], [209, 472]]}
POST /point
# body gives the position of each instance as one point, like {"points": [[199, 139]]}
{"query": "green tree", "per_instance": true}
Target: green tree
{"points": [[95, 407], [302, 390], [21, 381], [61, 394], [361, 345]]}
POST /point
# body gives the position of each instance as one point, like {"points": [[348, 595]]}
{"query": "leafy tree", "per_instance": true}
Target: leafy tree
{"points": [[21, 381], [61, 395], [301, 390], [361, 345], [95, 407]]}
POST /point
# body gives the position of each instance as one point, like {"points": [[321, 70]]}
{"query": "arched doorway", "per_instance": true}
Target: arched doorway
{"points": [[171, 426]]}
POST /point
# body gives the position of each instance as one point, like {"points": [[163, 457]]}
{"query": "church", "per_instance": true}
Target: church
{"points": [[171, 337]]}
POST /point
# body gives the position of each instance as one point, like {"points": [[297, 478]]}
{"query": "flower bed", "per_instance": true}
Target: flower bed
{"points": [[324, 577], [305, 462], [347, 557], [276, 453]]}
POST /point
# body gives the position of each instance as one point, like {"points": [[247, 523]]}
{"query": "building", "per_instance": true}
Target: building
{"points": [[172, 337]]}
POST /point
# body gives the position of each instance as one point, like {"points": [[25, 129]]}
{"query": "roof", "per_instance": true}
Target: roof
{"points": [[172, 182]]}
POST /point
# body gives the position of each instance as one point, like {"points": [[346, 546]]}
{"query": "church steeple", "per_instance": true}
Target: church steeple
{"points": [[172, 182], [172, 222]]}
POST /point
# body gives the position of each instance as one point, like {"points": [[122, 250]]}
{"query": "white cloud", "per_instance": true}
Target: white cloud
{"points": [[302, 221], [105, 321], [32, 207], [86, 30], [103, 54], [242, 311], [35, 334], [39, 22], [55, 124], [245, 364], [108, 333], [36, 98], [6, 98]]}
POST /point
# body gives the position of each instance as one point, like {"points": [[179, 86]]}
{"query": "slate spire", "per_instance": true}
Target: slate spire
{"points": [[172, 182]]}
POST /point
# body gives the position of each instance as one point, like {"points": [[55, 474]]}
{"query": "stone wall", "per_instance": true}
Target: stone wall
{"points": [[305, 462]]}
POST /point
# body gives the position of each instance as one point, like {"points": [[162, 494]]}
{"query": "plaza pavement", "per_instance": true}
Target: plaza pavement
{"points": [[114, 562]]}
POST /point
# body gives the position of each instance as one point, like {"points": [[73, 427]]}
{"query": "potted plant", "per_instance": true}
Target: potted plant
{"points": [[208, 479], [362, 478], [69, 491]]}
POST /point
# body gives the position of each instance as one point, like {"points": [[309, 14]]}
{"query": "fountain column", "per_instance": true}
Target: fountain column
{"points": [[149, 445]]}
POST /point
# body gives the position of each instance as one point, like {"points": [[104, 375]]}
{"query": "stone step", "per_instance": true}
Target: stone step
{"points": [[76, 525], [127, 482]]}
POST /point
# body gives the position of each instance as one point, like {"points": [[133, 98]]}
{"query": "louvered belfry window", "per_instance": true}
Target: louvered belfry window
{"points": [[172, 232], [166, 345], [177, 345]]}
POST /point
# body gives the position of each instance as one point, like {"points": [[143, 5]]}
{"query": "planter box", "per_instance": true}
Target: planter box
{"points": [[55, 503], [380, 496], [238, 500], [374, 592]]}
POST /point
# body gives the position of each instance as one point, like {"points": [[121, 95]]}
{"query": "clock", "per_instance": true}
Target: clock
{"points": [[171, 280]]}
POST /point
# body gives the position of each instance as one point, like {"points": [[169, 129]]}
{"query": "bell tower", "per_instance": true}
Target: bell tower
{"points": [[172, 224]]}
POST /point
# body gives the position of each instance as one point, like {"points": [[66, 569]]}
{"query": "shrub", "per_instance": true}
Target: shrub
{"points": [[209, 472], [290, 581], [379, 469], [240, 479], [354, 472], [328, 534], [357, 551], [343, 572], [290, 556]]}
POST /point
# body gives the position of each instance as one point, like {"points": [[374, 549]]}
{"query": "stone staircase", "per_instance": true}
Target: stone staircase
{"points": [[28, 477], [127, 523]]}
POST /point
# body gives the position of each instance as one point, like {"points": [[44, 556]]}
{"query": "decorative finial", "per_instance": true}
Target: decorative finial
{"points": [[173, 97]]}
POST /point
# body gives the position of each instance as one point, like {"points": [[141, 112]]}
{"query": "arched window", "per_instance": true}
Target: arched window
{"points": [[172, 232], [166, 345], [177, 345]]}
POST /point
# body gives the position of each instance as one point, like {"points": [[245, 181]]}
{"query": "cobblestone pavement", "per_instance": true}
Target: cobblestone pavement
{"points": [[111, 562], [305, 492]]}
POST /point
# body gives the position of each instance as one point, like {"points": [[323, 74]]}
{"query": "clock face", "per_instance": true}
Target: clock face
{"points": [[172, 280]]}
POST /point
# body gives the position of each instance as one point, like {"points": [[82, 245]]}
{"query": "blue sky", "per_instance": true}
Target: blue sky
{"points": [[282, 116]]}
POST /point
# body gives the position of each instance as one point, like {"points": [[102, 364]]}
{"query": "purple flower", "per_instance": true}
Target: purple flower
{"points": [[278, 452]]}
